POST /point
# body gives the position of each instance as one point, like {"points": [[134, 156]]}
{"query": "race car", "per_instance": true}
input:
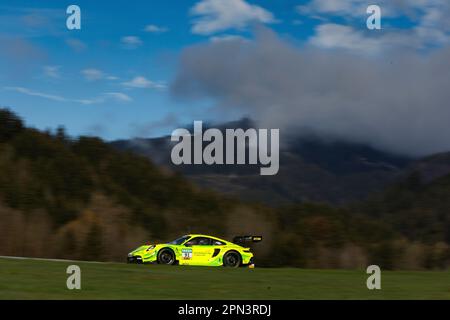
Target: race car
{"points": [[197, 250]]}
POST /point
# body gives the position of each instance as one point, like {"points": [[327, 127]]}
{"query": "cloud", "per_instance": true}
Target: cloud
{"points": [[227, 38], [397, 100], [88, 101], [105, 97], [116, 96], [357, 8], [428, 21], [332, 35], [213, 16], [92, 74], [169, 121], [143, 83], [155, 29], [347, 8], [36, 93], [131, 42], [52, 71], [76, 45], [336, 36]]}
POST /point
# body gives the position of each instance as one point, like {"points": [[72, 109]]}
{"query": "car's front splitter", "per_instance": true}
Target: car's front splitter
{"points": [[134, 259]]}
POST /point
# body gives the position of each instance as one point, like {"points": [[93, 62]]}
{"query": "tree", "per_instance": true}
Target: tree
{"points": [[93, 246], [10, 125]]}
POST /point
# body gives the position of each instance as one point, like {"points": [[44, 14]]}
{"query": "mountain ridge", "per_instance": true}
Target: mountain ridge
{"points": [[311, 169]]}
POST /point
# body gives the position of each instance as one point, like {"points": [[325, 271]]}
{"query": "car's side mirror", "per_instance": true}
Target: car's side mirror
{"points": [[187, 244]]}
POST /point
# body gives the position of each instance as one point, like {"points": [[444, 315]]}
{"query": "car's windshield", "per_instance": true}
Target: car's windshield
{"points": [[179, 240]]}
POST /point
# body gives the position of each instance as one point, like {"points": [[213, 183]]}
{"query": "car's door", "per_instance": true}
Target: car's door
{"points": [[197, 251]]}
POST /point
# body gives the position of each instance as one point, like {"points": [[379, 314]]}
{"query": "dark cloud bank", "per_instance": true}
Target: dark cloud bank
{"points": [[397, 100]]}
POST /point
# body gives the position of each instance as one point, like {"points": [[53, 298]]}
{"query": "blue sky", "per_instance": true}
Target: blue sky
{"points": [[113, 77]]}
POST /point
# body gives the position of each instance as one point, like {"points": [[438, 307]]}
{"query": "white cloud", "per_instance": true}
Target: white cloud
{"points": [[155, 29], [414, 9], [332, 35], [117, 96], [107, 96], [142, 82], [336, 36], [88, 101], [29, 92], [334, 7], [52, 71], [92, 74], [131, 42], [219, 15], [430, 25]]}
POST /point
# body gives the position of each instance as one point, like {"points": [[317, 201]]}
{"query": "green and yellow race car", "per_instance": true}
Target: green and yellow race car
{"points": [[197, 250]]}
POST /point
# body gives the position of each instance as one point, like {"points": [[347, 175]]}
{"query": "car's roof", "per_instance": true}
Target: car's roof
{"points": [[206, 235]]}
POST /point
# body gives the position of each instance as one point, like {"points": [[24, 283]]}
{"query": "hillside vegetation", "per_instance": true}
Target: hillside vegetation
{"points": [[83, 199]]}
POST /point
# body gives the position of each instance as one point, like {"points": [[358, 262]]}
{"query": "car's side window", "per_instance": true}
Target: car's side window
{"points": [[192, 242], [218, 243], [200, 241], [204, 241]]}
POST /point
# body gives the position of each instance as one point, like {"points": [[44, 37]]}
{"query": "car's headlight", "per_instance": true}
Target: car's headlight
{"points": [[130, 255], [150, 248]]}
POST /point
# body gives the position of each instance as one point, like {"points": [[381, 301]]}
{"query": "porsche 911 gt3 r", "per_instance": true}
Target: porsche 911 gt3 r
{"points": [[197, 250]]}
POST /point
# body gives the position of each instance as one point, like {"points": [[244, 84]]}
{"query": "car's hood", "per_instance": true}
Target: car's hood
{"points": [[141, 248]]}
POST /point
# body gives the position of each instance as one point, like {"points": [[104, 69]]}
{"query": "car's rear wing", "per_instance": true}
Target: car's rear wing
{"points": [[245, 239]]}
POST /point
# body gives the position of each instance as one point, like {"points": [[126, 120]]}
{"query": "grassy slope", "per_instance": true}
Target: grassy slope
{"points": [[38, 279]]}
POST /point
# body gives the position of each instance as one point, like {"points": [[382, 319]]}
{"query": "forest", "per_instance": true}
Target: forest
{"points": [[80, 198]]}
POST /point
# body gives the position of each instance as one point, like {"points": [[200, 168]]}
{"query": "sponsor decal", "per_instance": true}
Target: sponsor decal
{"points": [[186, 254]]}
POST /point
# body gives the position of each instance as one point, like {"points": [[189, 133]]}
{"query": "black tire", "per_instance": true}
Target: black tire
{"points": [[232, 259], [166, 256]]}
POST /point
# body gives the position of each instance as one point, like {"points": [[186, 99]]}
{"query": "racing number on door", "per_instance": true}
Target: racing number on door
{"points": [[186, 254]]}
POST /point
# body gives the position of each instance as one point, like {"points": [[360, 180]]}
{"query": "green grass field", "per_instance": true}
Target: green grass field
{"points": [[39, 279]]}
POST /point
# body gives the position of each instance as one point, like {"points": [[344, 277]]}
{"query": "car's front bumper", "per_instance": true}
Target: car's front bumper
{"points": [[141, 260], [134, 259]]}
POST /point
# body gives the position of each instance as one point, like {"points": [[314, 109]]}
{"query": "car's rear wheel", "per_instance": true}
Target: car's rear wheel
{"points": [[232, 259], [166, 256]]}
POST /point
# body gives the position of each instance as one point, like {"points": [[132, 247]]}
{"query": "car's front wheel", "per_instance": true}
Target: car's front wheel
{"points": [[166, 256], [232, 259]]}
